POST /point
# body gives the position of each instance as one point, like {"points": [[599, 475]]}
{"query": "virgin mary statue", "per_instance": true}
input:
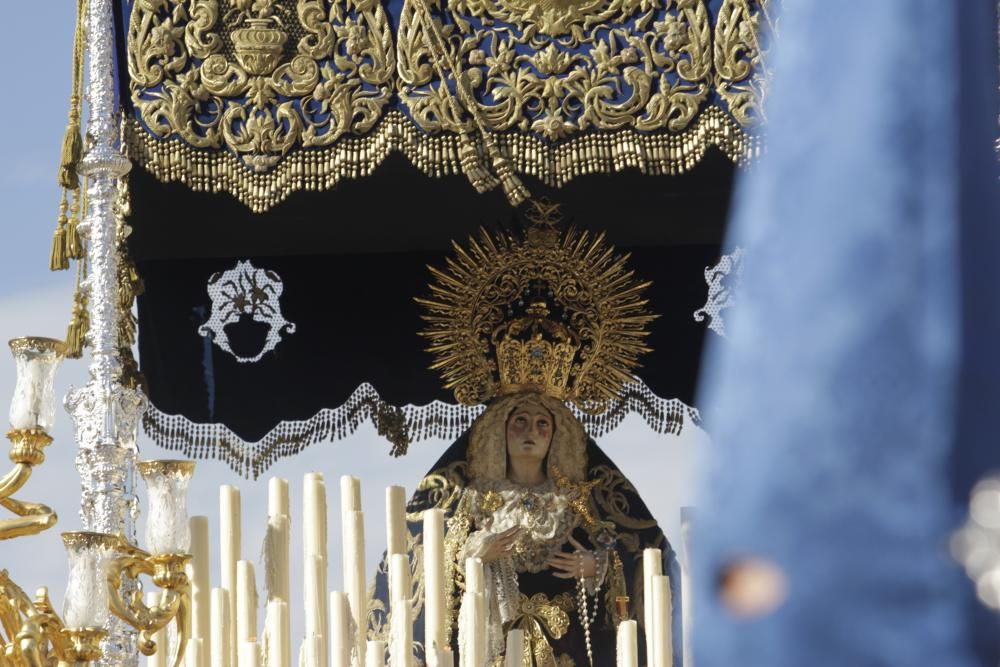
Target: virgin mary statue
{"points": [[537, 327]]}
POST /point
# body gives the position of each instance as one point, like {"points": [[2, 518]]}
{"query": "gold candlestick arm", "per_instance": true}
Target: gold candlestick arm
{"points": [[26, 453], [167, 572]]}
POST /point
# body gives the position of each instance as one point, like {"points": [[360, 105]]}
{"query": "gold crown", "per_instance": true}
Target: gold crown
{"points": [[535, 353], [553, 312]]}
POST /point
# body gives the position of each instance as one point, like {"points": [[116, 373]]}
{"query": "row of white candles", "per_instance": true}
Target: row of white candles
{"points": [[223, 620]]}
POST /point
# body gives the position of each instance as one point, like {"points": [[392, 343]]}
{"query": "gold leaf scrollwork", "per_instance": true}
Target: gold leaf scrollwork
{"points": [[559, 68], [288, 95], [240, 81], [739, 54], [610, 494]]}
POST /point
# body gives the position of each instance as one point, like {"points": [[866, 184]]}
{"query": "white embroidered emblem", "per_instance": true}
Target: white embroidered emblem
{"points": [[723, 282], [245, 293]]}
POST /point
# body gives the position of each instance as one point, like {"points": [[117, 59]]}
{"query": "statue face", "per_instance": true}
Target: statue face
{"points": [[529, 432]]}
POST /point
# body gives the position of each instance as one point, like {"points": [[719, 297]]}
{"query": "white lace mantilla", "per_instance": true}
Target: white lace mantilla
{"points": [[401, 425]]}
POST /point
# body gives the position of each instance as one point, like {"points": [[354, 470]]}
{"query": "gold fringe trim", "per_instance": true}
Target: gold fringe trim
{"points": [[314, 170], [402, 426]]}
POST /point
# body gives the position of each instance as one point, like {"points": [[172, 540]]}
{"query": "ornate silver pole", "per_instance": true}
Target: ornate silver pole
{"points": [[105, 413]]}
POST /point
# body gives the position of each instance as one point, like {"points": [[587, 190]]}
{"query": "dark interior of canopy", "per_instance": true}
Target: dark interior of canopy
{"points": [[399, 209], [353, 258]]}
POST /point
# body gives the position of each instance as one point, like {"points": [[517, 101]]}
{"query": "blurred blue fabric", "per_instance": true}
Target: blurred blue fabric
{"points": [[856, 399]]}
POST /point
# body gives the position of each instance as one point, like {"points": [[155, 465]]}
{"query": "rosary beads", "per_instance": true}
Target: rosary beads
{"points": [[585, 614]]}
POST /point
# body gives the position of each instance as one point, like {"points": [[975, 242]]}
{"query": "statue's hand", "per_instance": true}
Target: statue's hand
{"points": [[581, 563], [501, 544]]}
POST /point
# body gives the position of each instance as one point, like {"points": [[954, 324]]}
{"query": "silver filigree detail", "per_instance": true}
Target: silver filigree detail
{"points": [[105, 413], [723, 283], [977, 544], [245, 291]]}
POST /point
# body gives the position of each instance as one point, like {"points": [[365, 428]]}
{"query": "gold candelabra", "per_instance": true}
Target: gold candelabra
{"points": [[32, 634]]}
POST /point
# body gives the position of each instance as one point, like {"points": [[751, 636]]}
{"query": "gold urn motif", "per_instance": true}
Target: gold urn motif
{"points": [[259, 45]]}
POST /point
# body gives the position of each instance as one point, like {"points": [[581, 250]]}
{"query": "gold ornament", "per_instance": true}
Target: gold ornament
{"points": [[492, 89], [557, 312], [263, 78]]}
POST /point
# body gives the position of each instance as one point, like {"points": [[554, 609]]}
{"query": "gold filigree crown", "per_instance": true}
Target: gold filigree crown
{"points": [[535, 353], [557, 312]]}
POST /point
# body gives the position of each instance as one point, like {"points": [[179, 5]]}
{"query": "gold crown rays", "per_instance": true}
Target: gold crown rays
{"points": [[552, 311]]}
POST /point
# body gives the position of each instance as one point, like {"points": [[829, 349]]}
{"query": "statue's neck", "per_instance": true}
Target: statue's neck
{"points": [[526, 473]]}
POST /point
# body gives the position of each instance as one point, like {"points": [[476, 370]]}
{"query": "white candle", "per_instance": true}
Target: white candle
{"points": [[276, 631], [229, 552], [314, 514], [194, 656], [315, 552], [475, 580], [200, 588], [309, 652], [395, 520], [158, 659], [515, 648], [652, 565], [354, 573], [400, 624], [246, 602], [249, 654], [350, 494], [276, 557], [219, 605], [315, 607], [399, 577], [277, 497], [400, 633], [341, 642], [434, 584], [276, 545], [375, 654], [628, 644], [662, 636], [445, 658], [472, 617]]}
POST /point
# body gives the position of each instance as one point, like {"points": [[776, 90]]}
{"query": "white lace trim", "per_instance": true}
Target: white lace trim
{"points": [[415, 423]]}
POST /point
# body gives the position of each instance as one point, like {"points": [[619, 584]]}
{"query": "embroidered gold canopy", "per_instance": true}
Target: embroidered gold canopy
{"points": [[262, 98]]}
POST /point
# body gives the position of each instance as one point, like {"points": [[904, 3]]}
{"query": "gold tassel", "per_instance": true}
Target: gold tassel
{"points": [[482, 180], [512, 185], [79, 325], [72, 149], [66, 240], [59, 259], [74, 245]]}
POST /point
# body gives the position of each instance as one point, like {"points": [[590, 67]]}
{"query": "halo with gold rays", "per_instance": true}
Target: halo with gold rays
{"points": [[588, 284]]}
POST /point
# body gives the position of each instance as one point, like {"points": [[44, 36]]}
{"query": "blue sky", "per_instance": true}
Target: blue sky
{"points": [[34, 301]]}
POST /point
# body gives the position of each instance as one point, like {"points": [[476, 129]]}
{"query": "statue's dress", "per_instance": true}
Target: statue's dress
{"points": [[521, 591]]}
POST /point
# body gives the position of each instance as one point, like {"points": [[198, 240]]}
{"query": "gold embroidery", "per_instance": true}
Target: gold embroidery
{"points": [[292, 95], [609, 494], [740, 76], [579, 497], [491, 501], [443, 488], [572, 83], [541, 618], [232, 82]]}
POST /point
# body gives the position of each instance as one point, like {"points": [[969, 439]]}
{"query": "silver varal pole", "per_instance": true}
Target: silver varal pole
{"points": [[105, 413]]}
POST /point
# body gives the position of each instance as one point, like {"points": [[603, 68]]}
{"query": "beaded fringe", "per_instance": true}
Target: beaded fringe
{"points": [[400, 425], [439, 155]]}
